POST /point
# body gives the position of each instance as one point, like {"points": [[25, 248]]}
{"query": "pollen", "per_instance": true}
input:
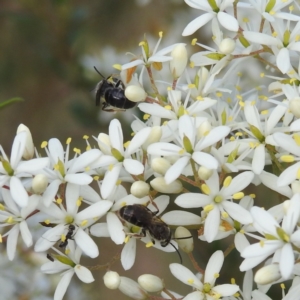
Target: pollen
{"points": [[238, 88], [44, 144], [0, 238], [149, 244], [274, 34], [168, 107], [123, 204], [88, 147], [68, 141], [47, 221], [200, 98], [96, 178], [245, 20], [67, 251], [2, 207], [142, 43], [208, 208], [126, 144], [62, 237], [181, 152], [218, 199], [119, 181], [79, 201], [262, 243], [110, 167], [76, 150], [219, 94], [192, 65], [146, 116], [287, 158], [117, 67], [9, 220], [59, 201], [87, 168], [205, 189], [253, 196], [160, 34], [264, 112], [272, 12], [225, 215], [194, 41], [239, 133], [298, 174], [238, 196], [191, 86], [190, 281], [127, 239], [83, 223], [241, 103], [296, 138], [85, 137], [291, 8], [227, 181], [232, 138], [216, 275], [282, 286]]}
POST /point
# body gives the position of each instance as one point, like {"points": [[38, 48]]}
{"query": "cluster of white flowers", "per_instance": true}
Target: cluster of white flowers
{"points": [[207, 134]]}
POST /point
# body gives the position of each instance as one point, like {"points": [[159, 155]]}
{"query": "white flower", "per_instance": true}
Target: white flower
{"points": [[13, 170], [208, 287], [189, 147], [217, 11], [65, 170], [70, 215], [67, 265], [11, 215], [116, 158], [277, 239], [216, 201]]}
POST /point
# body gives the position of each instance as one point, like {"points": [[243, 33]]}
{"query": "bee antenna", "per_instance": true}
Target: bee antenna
{"points": [[98, 72], [183, 238], [177, 252]]}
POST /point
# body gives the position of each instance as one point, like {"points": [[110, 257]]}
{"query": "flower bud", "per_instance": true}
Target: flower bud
{"points": [[203, 129], [140, 189], [227, 46], [160, 165], [154, 137], [29, 147], [135, 93], [203, 74], [159, 184], [179, 61], [132, 289], [104, 143], [150, 283], [39, 183], [267, 274], [112, 280], [204, 173], [295, 107], [186, 244]]}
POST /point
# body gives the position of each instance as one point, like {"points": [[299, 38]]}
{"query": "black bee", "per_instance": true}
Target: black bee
{"points": [[69, 236], [148, 220], [112, 92]]}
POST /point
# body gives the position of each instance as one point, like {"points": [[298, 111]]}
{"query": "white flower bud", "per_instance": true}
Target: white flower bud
{"points": [[203, 129], [154, 137], [159, 184], [275, 87], [132, 289], [296, 187], [295, 107], [39, 183], [203, 74], [150, 283], [204, 173], [140, 189], [112, 280], [179, 61], [160, 165], [267, 274], [227, 46], [104, 143], [186, 245], [135, 93], [29, 147]]}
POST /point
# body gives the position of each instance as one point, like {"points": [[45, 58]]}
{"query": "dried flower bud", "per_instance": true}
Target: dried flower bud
{"points": [[135, 93], [132, 289], [39, 183], [267, 274], [159, 184], [227, 46], [186, 245], [160, 165], [29, 147], [140, 189], [179, 61], [150, 283], [204, 173], [112, 280]]}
